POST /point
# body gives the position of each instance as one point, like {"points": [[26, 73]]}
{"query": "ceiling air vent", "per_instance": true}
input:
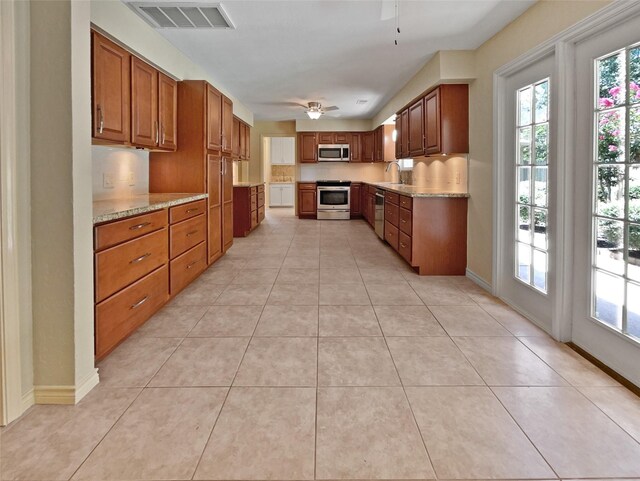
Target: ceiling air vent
{"points": [[361, 101], [183, 15]]}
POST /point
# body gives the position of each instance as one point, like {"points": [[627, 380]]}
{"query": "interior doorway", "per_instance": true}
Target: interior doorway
{"points": [[279, 167]]}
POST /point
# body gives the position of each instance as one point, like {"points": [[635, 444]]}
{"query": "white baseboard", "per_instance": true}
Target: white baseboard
{"points": [[479, 280], [65, 394]]}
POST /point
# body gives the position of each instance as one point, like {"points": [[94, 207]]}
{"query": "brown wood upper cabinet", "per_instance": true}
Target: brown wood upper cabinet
{"points": [[111, 86], [145, 129], [398, 127], [214, 119], [326, 138], [307, 147], [227, 125], [416, 129], [241, 140], [368, 147], [437, 123], [133, 102], [354, 146]]}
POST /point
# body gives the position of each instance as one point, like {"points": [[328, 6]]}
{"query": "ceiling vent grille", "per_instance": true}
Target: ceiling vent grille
{"points": [[183, 15]]}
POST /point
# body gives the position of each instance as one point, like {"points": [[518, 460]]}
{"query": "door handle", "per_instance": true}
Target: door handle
{"points": [[139, 303], [140, 259]]}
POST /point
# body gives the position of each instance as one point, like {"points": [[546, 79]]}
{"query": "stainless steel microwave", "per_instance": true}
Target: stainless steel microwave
{"points": [[333, 153]]}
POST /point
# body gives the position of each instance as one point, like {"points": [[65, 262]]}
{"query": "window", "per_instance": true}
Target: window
{"points": [[616, 198], [532, 175]]}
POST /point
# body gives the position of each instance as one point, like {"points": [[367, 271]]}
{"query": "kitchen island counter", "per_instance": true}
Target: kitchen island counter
{"points": [[113, 209]]}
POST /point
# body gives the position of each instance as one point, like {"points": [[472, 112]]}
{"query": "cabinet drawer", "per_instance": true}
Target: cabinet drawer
{"points": [[392, 197], [122, 313], [307, 186], [187, 234], [391, 212], [391, 234], [404, 246], [260, 188], [187, 211], [187, 267], [254, 202], [406, 202], [253, 190], [260, 214], [122, 265], [114, 233], [254, 218], [260, 199], [405, 221]]}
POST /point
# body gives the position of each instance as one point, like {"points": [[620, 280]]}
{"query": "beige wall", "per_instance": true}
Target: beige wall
{"points": [[118, 20], [327, 124], [542, 21], [443, 67], [259, 130], [61, 225]]}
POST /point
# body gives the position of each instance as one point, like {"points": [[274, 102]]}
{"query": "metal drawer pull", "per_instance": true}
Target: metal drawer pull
{"points": [[141, 258], [402, 244], [140, 302], [139, 226], [404, 221], [189, 234], [101, 124], [192, 264], [192, 210]]}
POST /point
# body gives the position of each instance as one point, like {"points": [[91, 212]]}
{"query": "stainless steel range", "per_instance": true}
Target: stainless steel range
{"points": [[333, 199]]}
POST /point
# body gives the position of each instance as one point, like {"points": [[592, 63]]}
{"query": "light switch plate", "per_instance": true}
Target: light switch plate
{"points": [[108, 180], [132, 178]]}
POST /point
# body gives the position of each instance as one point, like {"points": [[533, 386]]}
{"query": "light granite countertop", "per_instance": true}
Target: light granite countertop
{"points": [[416, 191], [247, 184], [113, 209]]}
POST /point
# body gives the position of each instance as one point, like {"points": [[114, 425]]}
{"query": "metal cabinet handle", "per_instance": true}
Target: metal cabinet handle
{"points": [[192, 264], [101, 120], [163, 133], [196, 209], [157, 132], [139, 226], [141, 258], [189, 234], [403, 221], [140, 302], [402, 244]]}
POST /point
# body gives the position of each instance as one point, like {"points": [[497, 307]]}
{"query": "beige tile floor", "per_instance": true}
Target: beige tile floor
{"points": [[311, 351]]}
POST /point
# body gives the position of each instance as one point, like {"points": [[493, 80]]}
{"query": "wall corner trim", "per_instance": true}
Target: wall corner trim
{"points": [[65, 394], [28, 400], [479, 280]]}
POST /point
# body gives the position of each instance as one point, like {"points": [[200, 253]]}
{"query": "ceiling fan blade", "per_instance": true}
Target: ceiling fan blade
{"points": [[329, 109], [285, 104]]}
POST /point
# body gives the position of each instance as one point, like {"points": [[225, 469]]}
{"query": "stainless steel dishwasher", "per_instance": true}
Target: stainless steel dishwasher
{"points": [[380, 213]]}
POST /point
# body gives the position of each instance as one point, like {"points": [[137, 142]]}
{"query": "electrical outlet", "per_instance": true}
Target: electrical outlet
{"points": [[108, 180], [132, 178]]}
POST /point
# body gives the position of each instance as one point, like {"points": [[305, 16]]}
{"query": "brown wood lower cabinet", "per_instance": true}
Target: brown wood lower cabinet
{"points": [[355, 200], [248, 208], [430, 233], [140, 263], [307, 200]]}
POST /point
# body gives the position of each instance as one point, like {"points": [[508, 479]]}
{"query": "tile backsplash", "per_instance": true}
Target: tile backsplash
{"points": [[283, 173], [119, 172]]}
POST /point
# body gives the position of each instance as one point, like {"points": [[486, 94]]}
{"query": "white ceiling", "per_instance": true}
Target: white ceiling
{"points": [[335, 52]]}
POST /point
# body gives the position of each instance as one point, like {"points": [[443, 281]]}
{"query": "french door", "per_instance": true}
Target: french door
{"points": [[606, 297], [526, 267]]}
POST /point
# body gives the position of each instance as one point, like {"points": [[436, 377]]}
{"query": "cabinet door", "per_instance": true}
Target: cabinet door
{"points": [[368, 148], [398, 136], [275, 151], [287, 195], [111, 90], [235, 152], [168, 112], [307, 202], [416, 129], [326, 138], [243, 141], [404, 120], [247, 141], [144, 104], [379, 144], [354, 147], [275, 195], [215, 206], [289, 150], [227, 125], [307, 147], [227, 203], [214, 118], [433, 143], [342, 137], [354, 199]]}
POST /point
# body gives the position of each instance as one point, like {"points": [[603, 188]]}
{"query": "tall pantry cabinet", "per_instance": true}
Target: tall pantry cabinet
{"points": [[202, 162]]}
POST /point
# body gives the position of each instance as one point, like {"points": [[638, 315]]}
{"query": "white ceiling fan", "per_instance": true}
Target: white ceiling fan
{"points": [[315, 109]]}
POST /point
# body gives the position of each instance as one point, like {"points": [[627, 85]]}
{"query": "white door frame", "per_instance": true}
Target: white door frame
{"points": [[563, 47], [11, 403]]}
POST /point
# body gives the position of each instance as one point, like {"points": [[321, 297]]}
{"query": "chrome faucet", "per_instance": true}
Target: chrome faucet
{"points": [[397, 165]]}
